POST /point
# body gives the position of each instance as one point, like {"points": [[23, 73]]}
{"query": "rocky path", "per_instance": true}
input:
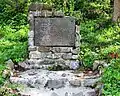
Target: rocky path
{"points": [[41, 82]]}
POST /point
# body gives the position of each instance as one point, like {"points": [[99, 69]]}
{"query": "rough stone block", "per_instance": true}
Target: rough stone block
{"points": [[75, 51], [32, 48], [57, 55], [55, 84], [58, 14], [67, 56], [45, 13], [75, 83], [44, 49], [31, 34], [30, 41], [35, 55], [90, 82], [74, 57], [62, 49], [46, 62], [79, 94], [60, 62]]}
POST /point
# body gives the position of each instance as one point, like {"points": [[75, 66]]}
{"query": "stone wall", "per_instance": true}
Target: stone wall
{"points": [[44, 56]]}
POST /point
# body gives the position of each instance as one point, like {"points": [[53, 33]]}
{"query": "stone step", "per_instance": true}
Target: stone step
{"points": [[39, 78], [67, 91]]}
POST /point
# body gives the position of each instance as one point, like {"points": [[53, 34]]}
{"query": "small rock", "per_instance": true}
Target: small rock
{"points": [[63, 75], [75, 83], [67, 56], [92, 93], [54, 84], [90, 82]]}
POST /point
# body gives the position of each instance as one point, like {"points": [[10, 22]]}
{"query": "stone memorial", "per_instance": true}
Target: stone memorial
{"points": [[53, 38], [53, 46]]}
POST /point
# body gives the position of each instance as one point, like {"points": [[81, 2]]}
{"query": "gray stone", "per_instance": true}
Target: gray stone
{"points": [[79, 94], [98, 63], [61, 49], [55, 84], [44, 49], [92, 93], [10, 64], [32, 48], [75, 51], [67, 56], [30, 41], [77, 29], [39, 55], [46, 62], [74, 57], [31, 34], [39, 7], [58, 14], [90, 82], [56, 55], [60, 62], [35, 55], [54, 94], [45, 13], [55, 31], [75, 83]]}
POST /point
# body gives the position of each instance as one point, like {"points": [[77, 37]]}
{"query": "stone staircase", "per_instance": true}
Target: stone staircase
{"points": [[39, 82]]}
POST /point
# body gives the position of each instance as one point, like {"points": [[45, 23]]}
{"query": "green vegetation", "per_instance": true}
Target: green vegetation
{"points": [[100, 36]]}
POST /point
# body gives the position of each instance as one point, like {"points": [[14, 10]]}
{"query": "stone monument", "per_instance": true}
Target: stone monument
{"points": [[53, 38], [53, 41]]}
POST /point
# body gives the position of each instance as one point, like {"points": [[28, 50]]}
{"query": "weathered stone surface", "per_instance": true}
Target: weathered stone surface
{"points": [[39, 7], [55, 84], [31, 34], [32, 48], [46, 62], [45, 13], [53, 81], [78, 94], [75, 83], [60, 62], [67, 56], [35, 55], [98, 63], [30, 42], [58, 14], [61, 49], [55, 31], [90, 82], [44, 49], [75, 51], [92, 93], [74, 57], [56, 55], [39, 55]]}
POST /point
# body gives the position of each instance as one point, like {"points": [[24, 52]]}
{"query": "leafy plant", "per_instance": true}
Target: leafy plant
{"points": [[111, 79]]}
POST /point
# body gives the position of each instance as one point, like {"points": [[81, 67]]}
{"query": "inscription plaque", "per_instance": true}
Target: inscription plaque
{"points": [[54, 31]]}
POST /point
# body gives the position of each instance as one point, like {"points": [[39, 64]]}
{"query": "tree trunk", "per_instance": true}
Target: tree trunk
{"points": [[116, 13]]}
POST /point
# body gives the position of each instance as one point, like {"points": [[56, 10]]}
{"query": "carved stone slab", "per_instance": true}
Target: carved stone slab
{"points": [[54, 31]]}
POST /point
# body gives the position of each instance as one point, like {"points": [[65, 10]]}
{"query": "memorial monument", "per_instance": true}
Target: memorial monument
{"points": [[53, 39]]}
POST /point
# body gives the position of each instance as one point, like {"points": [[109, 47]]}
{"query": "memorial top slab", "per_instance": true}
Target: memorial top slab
{"points": [[39, 7]]}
